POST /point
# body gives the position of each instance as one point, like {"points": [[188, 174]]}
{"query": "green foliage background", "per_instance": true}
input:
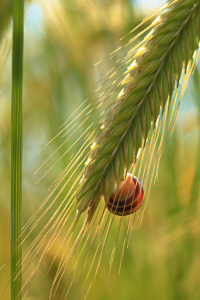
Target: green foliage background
{"points": [[63, 41]]}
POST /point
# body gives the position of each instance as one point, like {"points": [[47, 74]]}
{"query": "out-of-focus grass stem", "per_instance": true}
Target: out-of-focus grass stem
{"points": [[16, 148], [195, 186]]}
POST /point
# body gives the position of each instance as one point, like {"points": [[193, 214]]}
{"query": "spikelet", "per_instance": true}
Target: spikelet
{"points": [[147, 87], [129, 136]]}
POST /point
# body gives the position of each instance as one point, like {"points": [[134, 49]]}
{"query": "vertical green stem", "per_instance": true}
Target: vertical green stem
{"points": [[16, 148], [195, 185]]}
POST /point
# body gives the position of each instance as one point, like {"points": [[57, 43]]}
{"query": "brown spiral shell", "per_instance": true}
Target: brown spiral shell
{"points": [[127, 197]]}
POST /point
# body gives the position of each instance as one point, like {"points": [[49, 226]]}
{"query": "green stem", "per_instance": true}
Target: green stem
{"points": [[195, 185], [16, 148]]}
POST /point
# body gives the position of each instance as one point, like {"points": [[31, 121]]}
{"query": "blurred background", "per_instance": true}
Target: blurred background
{"points": [[63, 41]]}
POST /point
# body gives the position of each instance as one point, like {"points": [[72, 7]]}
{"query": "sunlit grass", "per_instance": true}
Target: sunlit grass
{"points": [[163, 257]]}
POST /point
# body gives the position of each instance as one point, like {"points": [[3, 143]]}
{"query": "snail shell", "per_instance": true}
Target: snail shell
{"points": [[127, 197]]}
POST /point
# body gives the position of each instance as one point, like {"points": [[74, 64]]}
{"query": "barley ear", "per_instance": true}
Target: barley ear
{"points": [[165, 53]]}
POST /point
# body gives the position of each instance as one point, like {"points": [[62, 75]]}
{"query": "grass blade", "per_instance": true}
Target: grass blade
{"points": [[16, 148]]}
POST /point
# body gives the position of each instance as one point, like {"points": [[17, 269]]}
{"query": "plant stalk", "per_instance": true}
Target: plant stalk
{"points": [[16, 149]]}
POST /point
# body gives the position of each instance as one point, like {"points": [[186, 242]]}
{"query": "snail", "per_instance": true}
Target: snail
{"points": [[127, 197]]}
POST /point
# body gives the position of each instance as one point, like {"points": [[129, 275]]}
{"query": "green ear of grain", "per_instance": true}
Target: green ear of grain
{"points": [[167, 51], [16, 149]]}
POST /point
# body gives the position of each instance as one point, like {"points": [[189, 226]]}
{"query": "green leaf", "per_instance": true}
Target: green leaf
{"points": [[16, 149]]}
